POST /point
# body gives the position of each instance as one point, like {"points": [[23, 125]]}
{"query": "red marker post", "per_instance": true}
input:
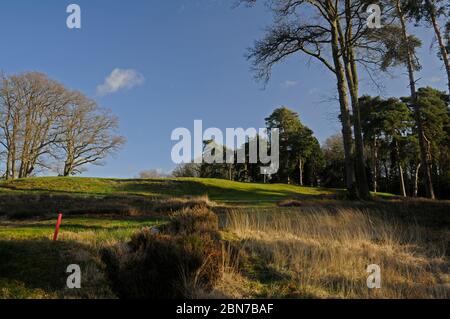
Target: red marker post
{"points": [[58, 224]]}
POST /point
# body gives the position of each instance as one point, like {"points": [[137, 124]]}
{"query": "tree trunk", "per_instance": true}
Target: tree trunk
{"points": [[246, 172], [402, 180], [345, 115], [416, 180], [351, 73], [361, 175], [8, 166], [21, 168], [441, 43], [400, 170], [68, 165], [300, 168], [12, 148], [424, 154], [375, 165], [387, 173], [67, 171], [13, 161]]}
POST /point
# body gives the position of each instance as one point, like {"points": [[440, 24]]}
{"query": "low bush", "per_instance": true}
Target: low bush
{"points": [[168, 265], [197, 220]]}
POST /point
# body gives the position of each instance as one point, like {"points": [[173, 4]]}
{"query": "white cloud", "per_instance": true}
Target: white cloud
{"points": [[289, 84], [120, 79]]}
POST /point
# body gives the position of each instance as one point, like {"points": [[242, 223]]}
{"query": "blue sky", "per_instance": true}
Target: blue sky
{"points": [[190, 57]]}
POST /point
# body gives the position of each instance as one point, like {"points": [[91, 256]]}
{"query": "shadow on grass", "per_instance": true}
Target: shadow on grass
{"points": [[70, 227], [196, 188], [160, 188], [38, 264]]}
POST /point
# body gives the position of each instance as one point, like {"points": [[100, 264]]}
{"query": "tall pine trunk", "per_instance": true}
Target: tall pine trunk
{"points": [[300, 168], [400, 170], [424, 153], [345, 114], [402, 180], [416, 180], [361, 174], [442, 47], [351, 73]]}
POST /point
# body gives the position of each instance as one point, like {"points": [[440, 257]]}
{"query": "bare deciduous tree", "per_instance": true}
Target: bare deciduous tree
{"points": [[31, 105], [187, 170], [89, 134], [151, 174], [40, 119]]}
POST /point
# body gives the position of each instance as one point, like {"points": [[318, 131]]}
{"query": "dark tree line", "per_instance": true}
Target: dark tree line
{"points": [[392, 150], [300, 156], [392, 143], [392, 153]]}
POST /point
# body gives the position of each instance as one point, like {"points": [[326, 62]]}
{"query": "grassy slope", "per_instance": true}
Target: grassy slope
{"points": [[217, 190]]}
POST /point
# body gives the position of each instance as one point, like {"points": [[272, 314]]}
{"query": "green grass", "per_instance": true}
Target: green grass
{"points": [[113, 228], [218, 190], [34, 266]]}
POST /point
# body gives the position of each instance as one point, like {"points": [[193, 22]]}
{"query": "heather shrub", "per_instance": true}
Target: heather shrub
{"points": [[197, 220], [167, 265]]}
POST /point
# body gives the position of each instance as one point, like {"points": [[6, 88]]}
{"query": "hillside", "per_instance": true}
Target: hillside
{"points": [[222, 191]]}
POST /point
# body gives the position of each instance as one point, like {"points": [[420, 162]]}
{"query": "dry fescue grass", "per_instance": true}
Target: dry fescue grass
{"points": [[230, 284], [313, 252]]}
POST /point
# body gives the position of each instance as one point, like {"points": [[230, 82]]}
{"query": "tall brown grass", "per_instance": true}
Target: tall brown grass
{"points": [[318, 252]]}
